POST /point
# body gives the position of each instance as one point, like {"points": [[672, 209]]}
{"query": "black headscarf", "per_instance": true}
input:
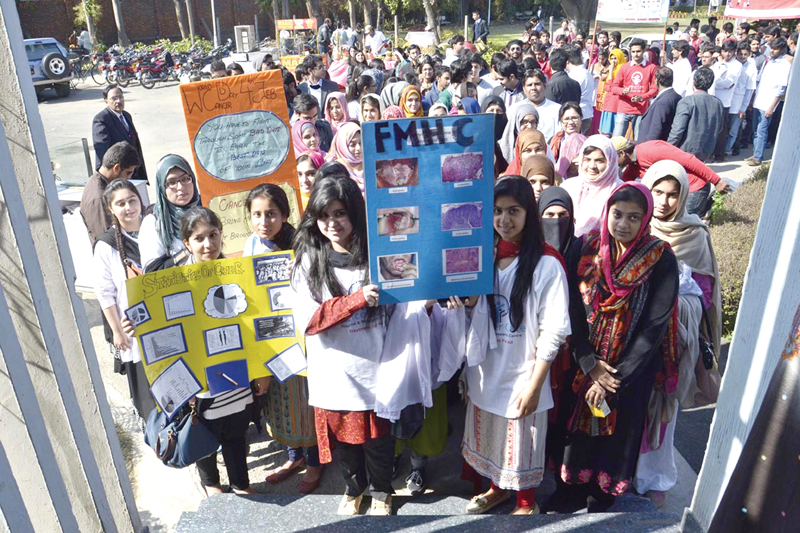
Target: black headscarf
{"points": [[500, 121], [558, 232]]}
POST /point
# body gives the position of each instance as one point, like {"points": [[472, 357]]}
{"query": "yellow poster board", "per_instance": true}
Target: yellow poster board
{"points": [[215, 325]]}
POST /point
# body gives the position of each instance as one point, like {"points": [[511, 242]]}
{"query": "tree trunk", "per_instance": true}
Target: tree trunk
{"points": [[276, 11], [580, 12], [432, 17], [379, 15], [179, 16], [122, 36], [368, 12], [285, 12], [351, 8], [90, 27], [190, 16], [314, 11]]}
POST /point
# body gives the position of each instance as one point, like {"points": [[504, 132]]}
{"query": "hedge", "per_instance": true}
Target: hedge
{"points": [[733, 232]]}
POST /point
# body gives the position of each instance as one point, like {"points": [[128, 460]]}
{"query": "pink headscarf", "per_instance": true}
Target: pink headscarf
{"points": [[393, 111], [336, 124], [316, 157], [606, 240], [341, 152], [570, 147], [297, 137], [589, 195]]}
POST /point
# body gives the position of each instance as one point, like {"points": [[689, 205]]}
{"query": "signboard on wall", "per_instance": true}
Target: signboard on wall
{"points": [[240, 136]]}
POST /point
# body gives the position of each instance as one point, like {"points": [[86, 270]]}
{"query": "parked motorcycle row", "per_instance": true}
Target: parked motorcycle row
{"points": [[148, 66]]}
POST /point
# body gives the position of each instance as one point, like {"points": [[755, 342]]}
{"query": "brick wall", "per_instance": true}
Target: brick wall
{"points": [[145, 20]]}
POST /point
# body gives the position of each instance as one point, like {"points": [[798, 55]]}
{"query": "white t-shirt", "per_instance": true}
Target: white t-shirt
{"points": [[726, 74], [376, 43], [682, 77], [354, 110], [744, 87], [495, 383], [772, 82], [584, 78], [342, 360], [548, 118], [150, 247]]}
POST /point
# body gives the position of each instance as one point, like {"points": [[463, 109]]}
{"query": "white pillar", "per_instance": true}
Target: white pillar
{"points": [[770, 298]]}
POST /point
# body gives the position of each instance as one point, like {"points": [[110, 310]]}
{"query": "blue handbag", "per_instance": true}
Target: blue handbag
{"points": [[181, 442]]}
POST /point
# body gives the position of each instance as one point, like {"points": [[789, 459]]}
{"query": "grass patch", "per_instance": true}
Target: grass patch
{"points": [[128, 446]]}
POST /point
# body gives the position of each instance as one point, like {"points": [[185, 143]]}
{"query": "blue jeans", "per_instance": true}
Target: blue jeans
{"points": [[699, 201], [736, 123], [760, 133], [312, 455], [621, 122]]}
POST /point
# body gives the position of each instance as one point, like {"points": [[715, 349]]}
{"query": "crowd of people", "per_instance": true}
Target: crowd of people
{"points": [[605, 315]]}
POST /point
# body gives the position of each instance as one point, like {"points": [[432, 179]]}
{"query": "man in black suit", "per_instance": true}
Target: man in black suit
{"points": [[657, 120], [316, 85], [698, 118], [112, 125], [561, 88]]}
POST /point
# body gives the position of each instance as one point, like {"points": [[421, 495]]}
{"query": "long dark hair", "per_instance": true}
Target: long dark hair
{"points": [[108, 196], [332, 183], [195, 216], [272, 192], [531, 245]]}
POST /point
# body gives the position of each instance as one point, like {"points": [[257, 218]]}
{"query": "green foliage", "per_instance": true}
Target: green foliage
{"points": [[180, 46], [733, 232], [94, 9]]}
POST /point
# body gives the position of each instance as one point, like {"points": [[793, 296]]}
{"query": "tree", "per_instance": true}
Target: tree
{"points": [[351, 8], [432, 17], [314, 11], [88, 13], [368, 7], [580, 12], [122, 36], [179, 16]]}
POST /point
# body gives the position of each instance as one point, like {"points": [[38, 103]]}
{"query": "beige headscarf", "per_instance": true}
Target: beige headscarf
{"points": [[688, 236]]}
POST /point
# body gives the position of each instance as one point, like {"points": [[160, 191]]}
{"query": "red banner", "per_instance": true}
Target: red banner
{"points": [[763, 9]]}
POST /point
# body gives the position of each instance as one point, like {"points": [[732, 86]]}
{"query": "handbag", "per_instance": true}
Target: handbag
{"points": [[707, 368], [181, 442]]}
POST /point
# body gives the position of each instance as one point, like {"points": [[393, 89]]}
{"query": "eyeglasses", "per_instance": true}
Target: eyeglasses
{"points": [[570, 119], [528, 122], [183, 180]]}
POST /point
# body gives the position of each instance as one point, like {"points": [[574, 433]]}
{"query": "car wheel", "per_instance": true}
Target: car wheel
{"points": [[62, 89], [55, 66]]}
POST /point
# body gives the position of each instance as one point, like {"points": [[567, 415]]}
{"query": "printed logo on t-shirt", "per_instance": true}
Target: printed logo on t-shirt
{"points": [[637, 78], [502, 324]]}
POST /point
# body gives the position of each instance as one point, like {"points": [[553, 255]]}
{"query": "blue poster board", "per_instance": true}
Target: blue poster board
{"points": [[430, 199]]}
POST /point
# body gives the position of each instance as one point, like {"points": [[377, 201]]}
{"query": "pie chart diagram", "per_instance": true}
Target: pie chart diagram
{"points": [[225, 301]]}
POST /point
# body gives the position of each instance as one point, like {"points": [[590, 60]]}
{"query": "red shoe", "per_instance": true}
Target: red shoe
{"points": [[278, 475]]}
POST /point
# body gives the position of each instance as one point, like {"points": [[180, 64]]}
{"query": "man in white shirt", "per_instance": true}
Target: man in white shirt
{"points": [[454, 52], [726, 74], [772, 82], [578, 72], [375, 41], [535, 85], [681, 68], [485, 89], [742, 94]]}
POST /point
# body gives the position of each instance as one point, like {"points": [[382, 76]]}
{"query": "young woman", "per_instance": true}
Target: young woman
{"points": [[289, 418], [427, 76], [357, 60], [393, 112], [468, 106], [509, 392], [116, 258], [346, 149], [305, 138], [689, 239], [337, 307], [569, 156], [522, 116], [176, 193], [616, 59], [495, 105], [598, 176], [357, 89], [569, 117], [370, 108], [601, 72], [336, 110], [539, 172], [529, 142], [628, 286], [307, 165], [226, 414], [411, 102], [437, 110]]}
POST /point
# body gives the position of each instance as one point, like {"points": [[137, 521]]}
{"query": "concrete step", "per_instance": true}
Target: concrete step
{"points": [[429, 512]]}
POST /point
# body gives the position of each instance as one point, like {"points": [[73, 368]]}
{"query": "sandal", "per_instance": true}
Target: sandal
{"points": [[479, 504], [277, 475]]}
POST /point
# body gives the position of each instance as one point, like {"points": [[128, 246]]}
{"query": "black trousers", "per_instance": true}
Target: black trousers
{"points": [[230, 431], [367, 465], [719, 148]]}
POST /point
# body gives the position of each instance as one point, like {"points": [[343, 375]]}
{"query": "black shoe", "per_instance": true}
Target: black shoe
{"points": [[594, 505], [396, 466], [566, 499], [735, 152]]}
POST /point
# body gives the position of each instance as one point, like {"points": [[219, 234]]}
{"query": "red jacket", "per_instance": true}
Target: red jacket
{"points": [[650, 152], [642, 81]]}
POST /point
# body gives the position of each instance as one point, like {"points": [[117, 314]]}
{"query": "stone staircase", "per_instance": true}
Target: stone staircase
{"points": [[429, 512]]}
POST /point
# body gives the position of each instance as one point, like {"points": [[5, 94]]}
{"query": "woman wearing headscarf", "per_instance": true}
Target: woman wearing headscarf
{"points": [[494, 105], [336, 110], [569, 118], [522, 115], [305, 138], [176, 193], [570, 149], [411, 102], [616, 58], [377, 76], [624, 346], [346, 149], [690, 240], [468, 106], [390, 95], [530, 142], [393, 112], [598, 176], [558, 225], [540, 173]]}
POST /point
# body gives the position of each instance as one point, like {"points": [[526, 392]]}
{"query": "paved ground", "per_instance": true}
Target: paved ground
{"points": [[163, 494]]}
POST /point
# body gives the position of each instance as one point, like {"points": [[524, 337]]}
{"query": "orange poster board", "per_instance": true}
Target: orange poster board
{"points": [[296, 24], [240, 135]]}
